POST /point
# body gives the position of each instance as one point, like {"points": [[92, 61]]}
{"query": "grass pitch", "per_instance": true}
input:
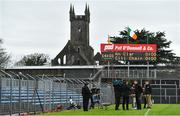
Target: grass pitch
{"points": [[157, 109]]}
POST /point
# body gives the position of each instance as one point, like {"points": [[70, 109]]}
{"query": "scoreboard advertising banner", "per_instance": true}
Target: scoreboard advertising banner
{"points": [[133, 52]]}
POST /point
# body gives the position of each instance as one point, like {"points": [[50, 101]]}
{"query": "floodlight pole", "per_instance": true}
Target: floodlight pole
{"points": [[147, 69], [176, 94], [160, 93], [148, 59], [128, 59], [108, 69], [128, 69], [108, 60]]}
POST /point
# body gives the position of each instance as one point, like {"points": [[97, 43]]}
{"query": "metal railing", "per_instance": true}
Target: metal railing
{"points": [[26, 93], [133, 74]]}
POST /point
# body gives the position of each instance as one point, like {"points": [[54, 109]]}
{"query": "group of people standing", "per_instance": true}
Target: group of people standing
{"points": [[125, 90]]}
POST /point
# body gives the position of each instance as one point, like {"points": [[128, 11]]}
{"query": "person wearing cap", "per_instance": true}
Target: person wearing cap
{"points": [[148, 91], [86, 96]]}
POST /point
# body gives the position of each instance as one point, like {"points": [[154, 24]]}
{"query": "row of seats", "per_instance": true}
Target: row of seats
{"points": [[56, 97]]}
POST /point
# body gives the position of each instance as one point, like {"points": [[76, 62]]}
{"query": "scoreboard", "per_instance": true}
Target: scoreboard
{"points": [[129, 52], [133, 56]]}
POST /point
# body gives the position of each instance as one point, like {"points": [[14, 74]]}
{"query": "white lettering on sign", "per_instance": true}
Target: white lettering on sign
{"points": [[124, 47], [149, 48], [118, 48], [128, 48], [134, 48], [144, 48], [108, 47]]}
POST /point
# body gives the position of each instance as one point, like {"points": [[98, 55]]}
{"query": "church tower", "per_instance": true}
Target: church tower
{"points": [[77, 51], [79, 25]]}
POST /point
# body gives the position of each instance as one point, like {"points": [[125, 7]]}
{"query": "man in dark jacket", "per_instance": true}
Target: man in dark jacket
{"points": [[144, 96], [117, 91], [86, 95], [125, 94], [148, 91], [138, 92]]}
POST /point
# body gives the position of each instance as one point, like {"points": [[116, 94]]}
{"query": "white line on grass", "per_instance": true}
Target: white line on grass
{"points": [[147, 112]]}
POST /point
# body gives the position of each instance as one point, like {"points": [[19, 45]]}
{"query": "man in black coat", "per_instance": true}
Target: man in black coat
{"points": [[138, 92], [86, 96], [144, 96], [125, 94], [117, 91]]}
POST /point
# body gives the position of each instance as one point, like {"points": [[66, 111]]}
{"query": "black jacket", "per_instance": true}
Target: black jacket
{"points": [[126, 90], [148, 89], [86, 92], [117, 90], [117, 87], [138, 90]]}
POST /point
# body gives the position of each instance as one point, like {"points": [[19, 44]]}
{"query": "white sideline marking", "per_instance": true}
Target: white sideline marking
{"points": [[147, 112]]}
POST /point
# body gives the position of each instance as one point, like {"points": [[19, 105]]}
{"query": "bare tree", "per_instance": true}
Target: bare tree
{"points": [[4, 57], [35, 59]]}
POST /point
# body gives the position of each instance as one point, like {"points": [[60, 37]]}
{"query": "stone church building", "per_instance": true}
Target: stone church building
{"points": [[77, 51]]}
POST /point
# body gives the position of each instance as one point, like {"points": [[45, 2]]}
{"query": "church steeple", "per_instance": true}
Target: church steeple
{"points": [[71, 12], [87, 13], [86, 9]]}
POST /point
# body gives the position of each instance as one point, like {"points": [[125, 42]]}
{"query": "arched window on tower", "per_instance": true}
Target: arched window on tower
{"points": [[64, 59], [59, 61], [78, 50], [78, 62]]}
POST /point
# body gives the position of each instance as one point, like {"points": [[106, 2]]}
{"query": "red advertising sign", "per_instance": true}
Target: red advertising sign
{"points": [[128, 48]]}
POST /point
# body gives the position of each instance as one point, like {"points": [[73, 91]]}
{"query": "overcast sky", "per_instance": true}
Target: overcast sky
{"points": [[29, 26]]}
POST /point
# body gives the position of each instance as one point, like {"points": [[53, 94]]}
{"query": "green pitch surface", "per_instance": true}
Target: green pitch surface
{"points": [[157, 109]]}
